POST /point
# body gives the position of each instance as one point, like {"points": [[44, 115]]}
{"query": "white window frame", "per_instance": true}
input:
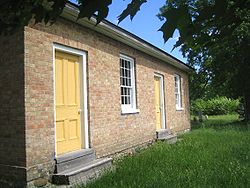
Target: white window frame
{"points": [[129, 108], [179, 102]]}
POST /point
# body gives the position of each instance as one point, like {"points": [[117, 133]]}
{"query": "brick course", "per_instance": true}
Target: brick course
{"points": [[110, 131]]}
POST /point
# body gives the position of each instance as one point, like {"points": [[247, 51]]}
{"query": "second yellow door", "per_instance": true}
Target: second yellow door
{"points": [[157, 83], [68, 112]]}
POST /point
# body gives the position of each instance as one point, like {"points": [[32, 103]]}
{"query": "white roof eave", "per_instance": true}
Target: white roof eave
{"points": [[70, 12]]}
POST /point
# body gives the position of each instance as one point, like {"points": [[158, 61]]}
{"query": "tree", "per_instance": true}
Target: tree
{"points": [[214, 34]]}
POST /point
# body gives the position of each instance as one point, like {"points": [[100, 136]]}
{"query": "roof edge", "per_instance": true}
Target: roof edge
{"points": [[113, 31]]}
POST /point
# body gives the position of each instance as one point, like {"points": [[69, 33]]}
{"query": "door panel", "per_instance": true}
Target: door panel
{"points": [[60, 131], [68, 126], [157, 83]]}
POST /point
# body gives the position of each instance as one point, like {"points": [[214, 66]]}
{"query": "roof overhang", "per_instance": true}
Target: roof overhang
{"points": [[105, 27]]}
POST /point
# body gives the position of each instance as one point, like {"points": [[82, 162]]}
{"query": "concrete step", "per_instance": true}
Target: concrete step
{"points": [[82, 173], [74, 159], [171, 138], [162, 133]]}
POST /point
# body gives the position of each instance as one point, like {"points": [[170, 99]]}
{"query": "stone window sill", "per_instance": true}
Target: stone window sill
{"points": [[130, 111], [179, 109]]}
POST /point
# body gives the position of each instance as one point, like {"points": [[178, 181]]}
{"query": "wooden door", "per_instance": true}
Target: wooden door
{"points": [[157, 84], [68, 112]]}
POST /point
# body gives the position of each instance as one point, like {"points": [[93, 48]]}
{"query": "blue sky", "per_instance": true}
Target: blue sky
{"points": [[145, 24]]}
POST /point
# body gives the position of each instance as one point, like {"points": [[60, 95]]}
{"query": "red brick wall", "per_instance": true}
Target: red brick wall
{"points": [[110, 131], [39, 101]]}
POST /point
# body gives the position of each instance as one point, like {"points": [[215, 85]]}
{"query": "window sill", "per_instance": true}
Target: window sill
{"points": [[179, 109], [130, 111]]}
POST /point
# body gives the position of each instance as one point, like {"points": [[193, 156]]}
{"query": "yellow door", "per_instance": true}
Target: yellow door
{"points": [[157, 82], [67, 82]]}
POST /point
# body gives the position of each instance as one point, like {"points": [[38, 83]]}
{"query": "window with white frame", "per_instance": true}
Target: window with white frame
{"points": [[127, 81], [177, 90]]}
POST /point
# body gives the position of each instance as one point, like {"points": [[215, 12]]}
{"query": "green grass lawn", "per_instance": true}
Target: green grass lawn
{"points": [[215, 153]]}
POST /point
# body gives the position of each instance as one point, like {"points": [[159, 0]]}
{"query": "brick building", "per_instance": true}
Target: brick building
{"points": [[75, 90]]}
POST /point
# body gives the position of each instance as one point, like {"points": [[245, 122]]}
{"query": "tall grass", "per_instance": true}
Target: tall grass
{"points": [[215, 154]]}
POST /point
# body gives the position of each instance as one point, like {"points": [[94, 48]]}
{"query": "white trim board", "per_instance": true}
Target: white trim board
{"points": [[84, 94], [71, 12]]}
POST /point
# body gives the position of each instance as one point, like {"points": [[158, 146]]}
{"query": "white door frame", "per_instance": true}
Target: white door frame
{"points": [[83, 90], [162, 100]]}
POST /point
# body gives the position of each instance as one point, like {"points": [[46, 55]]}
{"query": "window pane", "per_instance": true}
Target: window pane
{"points": [[122, 63], [121, 81], [128, 100], [121, 70], [177, 99], [129, 82], [126, 73], [177, 90], [129, 65], [123, 100], [125, 64], [129, 73], [128, 92]]}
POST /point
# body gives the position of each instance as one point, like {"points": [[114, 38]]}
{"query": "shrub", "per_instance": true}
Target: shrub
{"points": [[215, 106]]}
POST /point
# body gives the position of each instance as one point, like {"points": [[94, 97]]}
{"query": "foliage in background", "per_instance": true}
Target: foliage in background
{"points": [[215, 37], [215, 106]]}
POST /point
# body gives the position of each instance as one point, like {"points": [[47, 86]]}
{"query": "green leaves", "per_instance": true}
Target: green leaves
{"points": [[215, 106], [170, 24], [214, 35], [131, 9], [15, 14], [89, 7], [176, 18]]}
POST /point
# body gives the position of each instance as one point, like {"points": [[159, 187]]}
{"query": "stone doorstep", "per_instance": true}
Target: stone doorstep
{"points": [[162, 133], [171, 138], [74, 159], [72, 155], [82, 173], [166, 135]]}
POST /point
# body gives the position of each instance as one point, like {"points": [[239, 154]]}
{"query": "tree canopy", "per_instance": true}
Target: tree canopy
{"points": [[214, 35]]}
